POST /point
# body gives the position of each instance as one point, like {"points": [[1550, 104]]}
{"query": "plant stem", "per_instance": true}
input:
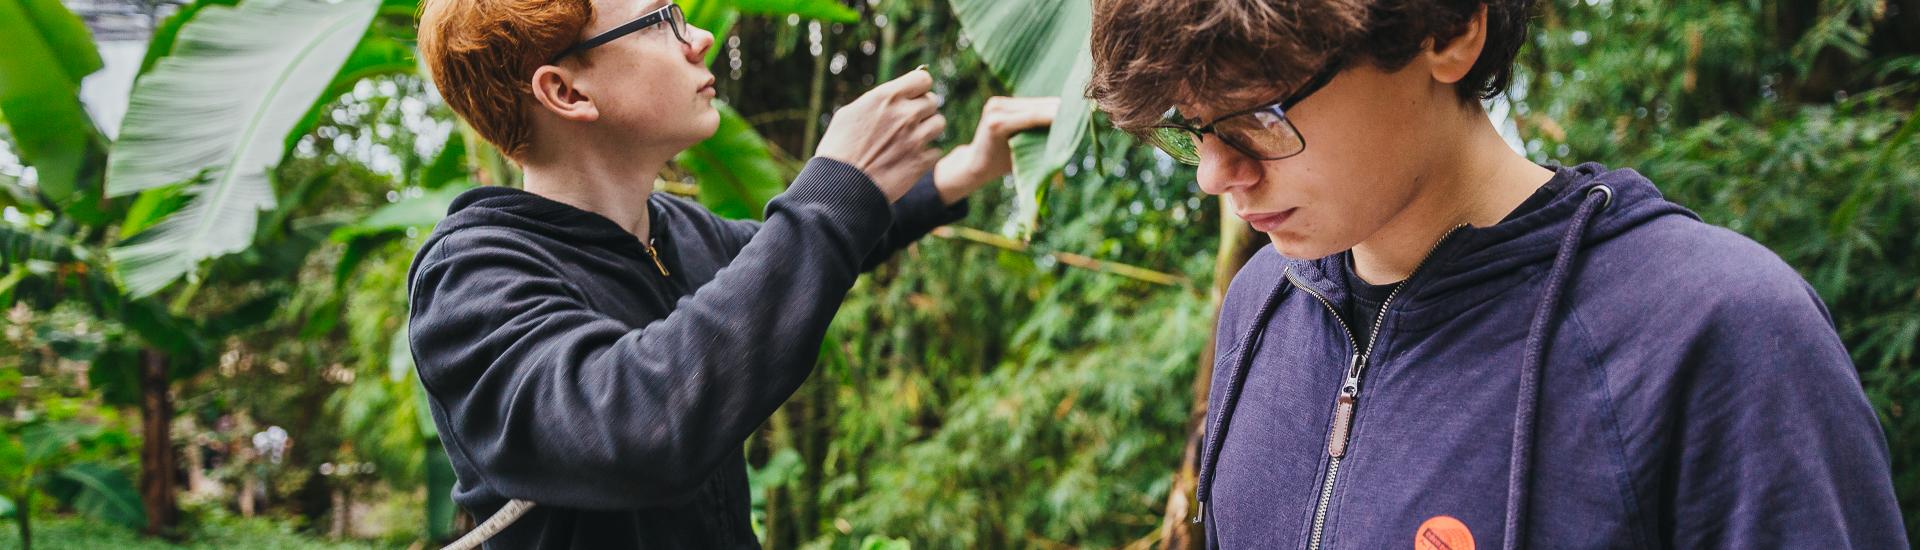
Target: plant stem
{"points": [[815, 97]]}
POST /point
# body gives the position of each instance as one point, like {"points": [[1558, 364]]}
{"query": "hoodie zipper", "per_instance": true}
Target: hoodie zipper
{"points": [[1348, 400], [655, 255]]}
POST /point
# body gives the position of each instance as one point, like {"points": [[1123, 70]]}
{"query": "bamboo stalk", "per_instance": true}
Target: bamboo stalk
{"points": [[1066, 258]]}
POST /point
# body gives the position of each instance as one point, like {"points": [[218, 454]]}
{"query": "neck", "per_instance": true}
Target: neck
{"points": [[612, 186], [1477, 182]]}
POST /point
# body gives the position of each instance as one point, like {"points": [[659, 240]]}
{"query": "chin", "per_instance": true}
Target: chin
{"points": [[1302, 247], [709, 123]]}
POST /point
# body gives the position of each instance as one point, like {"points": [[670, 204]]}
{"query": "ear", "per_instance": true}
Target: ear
{"points": [[554, 88], [1452, 60]]}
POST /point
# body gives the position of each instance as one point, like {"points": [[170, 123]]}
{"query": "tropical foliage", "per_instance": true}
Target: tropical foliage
{"points": [[234, 262]]}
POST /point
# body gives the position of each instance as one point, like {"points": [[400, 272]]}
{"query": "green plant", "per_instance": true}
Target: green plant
{"points": [[52, 458], [1039, 48], [39, 92], [267, 63]]}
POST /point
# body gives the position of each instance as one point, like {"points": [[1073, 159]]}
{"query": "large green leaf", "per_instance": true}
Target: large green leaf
{"points": [[387, 224], [376, 54], [1039, 48], [220, 107], [19, 244], [825, 10], [104, 493], [48, 52], [168, 31], [415, 212], [736, 172], [718, 16], [447, 167]]}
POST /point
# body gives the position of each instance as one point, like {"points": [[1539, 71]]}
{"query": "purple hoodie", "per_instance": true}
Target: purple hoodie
{"points": [[1604, 372]]}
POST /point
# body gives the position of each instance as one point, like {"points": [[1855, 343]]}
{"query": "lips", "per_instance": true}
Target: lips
{"points": [[707, 88], [1267, 221]]}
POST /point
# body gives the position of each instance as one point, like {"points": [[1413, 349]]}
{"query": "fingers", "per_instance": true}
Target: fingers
{"points": [[929, 158], [914, 84], [1005, 116], [929, 129], [919, 108]]}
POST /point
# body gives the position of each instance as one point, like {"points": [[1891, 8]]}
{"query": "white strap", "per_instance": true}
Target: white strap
{"points": [[492, 526]]}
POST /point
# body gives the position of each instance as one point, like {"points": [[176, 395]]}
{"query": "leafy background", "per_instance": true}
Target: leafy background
{"points": [[1023, 379]]}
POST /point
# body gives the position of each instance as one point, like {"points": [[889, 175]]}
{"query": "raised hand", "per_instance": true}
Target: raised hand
{"points": [[887, 133], [989, 157]]}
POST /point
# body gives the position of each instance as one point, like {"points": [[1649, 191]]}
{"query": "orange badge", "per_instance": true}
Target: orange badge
{"points": [[1443, 533]]}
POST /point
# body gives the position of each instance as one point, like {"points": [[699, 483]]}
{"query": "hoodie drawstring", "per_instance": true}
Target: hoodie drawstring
{"points": [[1236, 379], [1526, 408]]}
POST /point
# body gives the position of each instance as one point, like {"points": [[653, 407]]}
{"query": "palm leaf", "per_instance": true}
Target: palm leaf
{"points": [[1039, 48], [48, 51], [220, 107], [376, 54], [168, 31], [104, 493]]}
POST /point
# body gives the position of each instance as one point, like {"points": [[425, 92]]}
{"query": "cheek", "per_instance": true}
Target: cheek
{"points": [[1343, 199]]}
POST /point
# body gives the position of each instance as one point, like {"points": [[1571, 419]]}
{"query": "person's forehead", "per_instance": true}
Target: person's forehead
{"points": [[613, 13], [1205, 106]]}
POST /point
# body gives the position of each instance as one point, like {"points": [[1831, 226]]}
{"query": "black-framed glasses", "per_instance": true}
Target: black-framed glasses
{"points": [[669, 14], [1263, 132]]}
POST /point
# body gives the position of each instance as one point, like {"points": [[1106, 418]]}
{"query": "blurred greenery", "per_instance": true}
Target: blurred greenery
{"points": [[213, 534], [974, 392]]}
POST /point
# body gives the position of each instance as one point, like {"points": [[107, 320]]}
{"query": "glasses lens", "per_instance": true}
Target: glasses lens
{"points": [[1264, 134], [677, 20], [1177, 142]]}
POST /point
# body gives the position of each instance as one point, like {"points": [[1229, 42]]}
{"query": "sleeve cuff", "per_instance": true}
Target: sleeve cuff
{"points": [[842, 193], [922, 206]]}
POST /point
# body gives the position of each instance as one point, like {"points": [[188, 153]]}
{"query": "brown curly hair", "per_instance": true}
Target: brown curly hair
{"points": [[1149, 55], [482, 54]]}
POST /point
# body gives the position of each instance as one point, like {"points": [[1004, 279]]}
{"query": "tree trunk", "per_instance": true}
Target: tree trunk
{"points": [[248, 485], [338, 529], [23, 513], [1238, 242], [156, 449]]}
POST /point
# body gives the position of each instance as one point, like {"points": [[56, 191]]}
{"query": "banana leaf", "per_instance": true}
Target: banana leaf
{"points": [[1038, 48], [48, 52], [218, 110]]}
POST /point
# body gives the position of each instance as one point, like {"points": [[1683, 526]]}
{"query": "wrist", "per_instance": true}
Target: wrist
{"points": [[954, 179]]}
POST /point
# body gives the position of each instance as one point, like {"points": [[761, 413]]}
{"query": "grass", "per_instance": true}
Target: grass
{"points": [[62, 533]]}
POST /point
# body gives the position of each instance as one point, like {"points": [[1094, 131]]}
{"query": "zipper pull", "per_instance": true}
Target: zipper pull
{"points": [[1343, 407], [1199, 511], [651, 253]]}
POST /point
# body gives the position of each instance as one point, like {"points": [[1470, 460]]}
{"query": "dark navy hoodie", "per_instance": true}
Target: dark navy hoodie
{"points": [[565, 367], [1606, 371]]}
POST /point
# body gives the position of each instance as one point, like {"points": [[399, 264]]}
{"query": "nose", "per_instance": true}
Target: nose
{"points": [[698, 42], [1224, 169]]}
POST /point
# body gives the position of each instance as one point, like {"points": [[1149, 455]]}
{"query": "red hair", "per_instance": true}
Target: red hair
{"points": [[482, 54]]}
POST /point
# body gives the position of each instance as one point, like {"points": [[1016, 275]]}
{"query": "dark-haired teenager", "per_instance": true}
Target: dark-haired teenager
{"points": [[1449, 346]]}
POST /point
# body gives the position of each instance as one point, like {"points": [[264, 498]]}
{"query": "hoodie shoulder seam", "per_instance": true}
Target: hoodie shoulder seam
{"points": [[1598, 371]]}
